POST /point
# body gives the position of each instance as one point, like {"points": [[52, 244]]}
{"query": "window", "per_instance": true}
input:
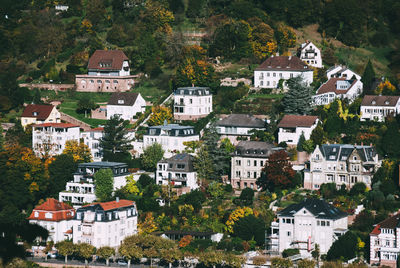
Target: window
{"points": [[248, 162], [261, 163], [255, 163], [274, 74], [238, 162], [289, 233], [36, 214], [180, 166]]}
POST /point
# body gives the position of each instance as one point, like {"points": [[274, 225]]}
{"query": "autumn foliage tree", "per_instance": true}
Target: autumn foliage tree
{"points": [[78, 150], [159, 115], [277, 173]]}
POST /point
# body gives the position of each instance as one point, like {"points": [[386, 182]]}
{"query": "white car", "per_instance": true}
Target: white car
{"points": [[122, 263]]}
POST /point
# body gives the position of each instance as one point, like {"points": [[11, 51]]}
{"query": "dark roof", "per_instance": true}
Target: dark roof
{"points": [[241, 120], [319, 208], [369, 100], [107, 60], [330, 86], [196, 91], [293, 121], [42, 111], [182, 159], [254, 149], [171, 130], [123, 98], [335, 152], [282, 63], [389, 223]]}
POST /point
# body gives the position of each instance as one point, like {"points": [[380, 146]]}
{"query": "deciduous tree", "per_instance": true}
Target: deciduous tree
{"points": [[61, 171], [104, 182], [159, 115], [66, 248], [105, 253], [151, 156], [86, 251], [78, 150]]}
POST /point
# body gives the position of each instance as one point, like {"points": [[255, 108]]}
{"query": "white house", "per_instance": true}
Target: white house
{"points": [[377, 108], [170, 136], [39, 114], [238, 125], [247, 162], [177, 170], [277, 68], [105, 224], [192, 103], [342, 164], [384, 242], [82, 189], [306, 224], [56, 217], [108, 71], [338, 88], [126, 105], [292, 126], [311, 54], [50, 138], [340, 71], [92, 138]]}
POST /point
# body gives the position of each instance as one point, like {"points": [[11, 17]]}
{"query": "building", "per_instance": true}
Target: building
{"points": [[126, 105], [170, 136], [342, 164], [92, 139], [39, 114], [340, 71], [82, 189], [50, 138], [108, 71], [247, 162], [192, 103], [305, 224], [310, 54], [105, 224], [276, 68], [238, 125], [338, 88], [292, 126], [56, 217], [179, 171], [377, 108], [384, 242]]}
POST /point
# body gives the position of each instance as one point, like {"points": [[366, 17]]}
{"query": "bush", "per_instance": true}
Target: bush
{"points": [[290, 252]]}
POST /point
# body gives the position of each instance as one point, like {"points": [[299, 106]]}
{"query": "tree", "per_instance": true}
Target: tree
{"points": [[78, 150], [171, 255], [60, 172], [203, 165], [212, 258], [318, 135], [48, 248], [105, 253], [281, 263], [368, 78], [104, 183], [246, 197], [159, 115], [315, 254], [86, 105], [130, 250], [277, 173], [298, 98], [391, 139], [151, 156], [131, 185], [145, 180], [250, 228], [95, 11], [344, 248], [308, 146], [66, 248], [115, 140], [86, 251], [306, 263], [301, 142]]}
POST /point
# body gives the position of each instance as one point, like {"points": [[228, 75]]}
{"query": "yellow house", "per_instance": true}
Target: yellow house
{"points": [[39, 114]]}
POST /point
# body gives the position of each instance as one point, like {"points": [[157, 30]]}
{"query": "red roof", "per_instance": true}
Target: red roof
{"points": [[97, 129], [114, 204], [370, 100], [376, 230], [56, 125], [107, 60], [330, 86], [59, 211], [293, 121], [41, 112], [282, 63]]}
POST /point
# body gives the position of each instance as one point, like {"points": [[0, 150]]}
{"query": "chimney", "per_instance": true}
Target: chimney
{"points": [[117, 199]]}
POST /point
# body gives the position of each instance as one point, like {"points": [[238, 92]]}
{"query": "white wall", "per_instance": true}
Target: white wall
{"points": [[162, 176], [169, 143], [378, 113], [127, 112], [54, 139], [271, 78], [311, 60], [193, 105], [56, 229], [293, 138]]}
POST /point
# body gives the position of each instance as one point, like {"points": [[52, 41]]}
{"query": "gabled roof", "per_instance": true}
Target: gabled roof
{"points": [[52, 204], [56, 125], [370, 100], [241, 120], [123, 98], [330, 86], [319, 208], [41, 112], [113, 204], [293, 121], [60, 211], [107, 60], [254, 149], [335, 152], [389, 223], [185, 159], [283, 63]]}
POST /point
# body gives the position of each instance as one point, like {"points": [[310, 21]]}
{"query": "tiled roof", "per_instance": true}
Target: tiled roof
{"points": [[319, 208], [283, 63], [42, 111], [369, 100], [376, 230], [107, 60], [241, 120], [293, 121], [254, 149], [113, 204], [330, 86], [335, 152], [391, 222], [56, 125], [60, 211], [123, 98]]}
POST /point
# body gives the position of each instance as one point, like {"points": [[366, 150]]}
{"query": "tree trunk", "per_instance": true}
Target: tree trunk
{"points": [[170, 265], [66, 258], [108, 261], [86, 263], [45, 258], [129, 263]]}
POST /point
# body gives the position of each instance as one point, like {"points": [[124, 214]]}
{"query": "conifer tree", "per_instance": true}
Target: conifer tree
{"points": [[298, 99], [300, 143], [368, 78]]}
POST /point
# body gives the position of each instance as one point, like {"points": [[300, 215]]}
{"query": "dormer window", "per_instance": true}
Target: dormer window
{"points": [[373, 102], [120, 101], [36, 214], [48, 215], [387, 102], [35, 113]]}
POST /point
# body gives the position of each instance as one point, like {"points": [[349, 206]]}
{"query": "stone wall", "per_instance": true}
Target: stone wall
{"points": [[49, 86], [73, 120]]}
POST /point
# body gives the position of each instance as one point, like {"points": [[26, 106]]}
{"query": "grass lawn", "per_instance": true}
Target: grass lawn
{"points": [[150, 92]]}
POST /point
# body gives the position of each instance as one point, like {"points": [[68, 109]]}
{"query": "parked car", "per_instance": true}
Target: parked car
{"points": [[122, 263], [52, 255]]}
